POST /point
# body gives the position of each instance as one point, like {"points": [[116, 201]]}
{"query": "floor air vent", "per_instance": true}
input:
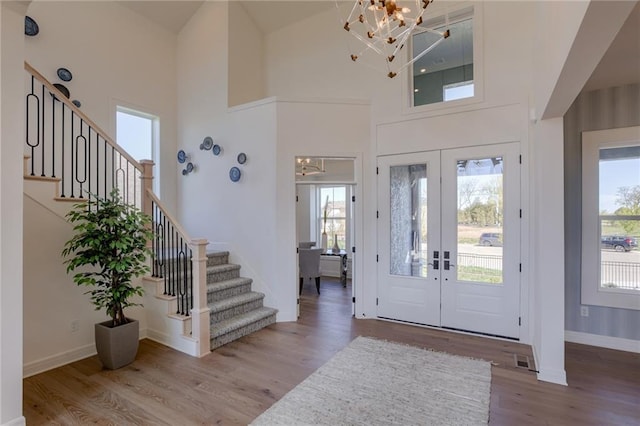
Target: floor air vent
{"points": [[522, 361]]}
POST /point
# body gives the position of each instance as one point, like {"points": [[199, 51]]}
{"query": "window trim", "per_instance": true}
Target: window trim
{"points": [[347, 218], [155, 136], [478, 63], [592, 293]]}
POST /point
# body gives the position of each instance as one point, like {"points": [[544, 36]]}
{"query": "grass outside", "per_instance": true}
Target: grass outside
{"points": [[481, 275]]}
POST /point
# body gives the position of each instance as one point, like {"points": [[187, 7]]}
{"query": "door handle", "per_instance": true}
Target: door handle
{"points": [[447, 265], [435, 264]]}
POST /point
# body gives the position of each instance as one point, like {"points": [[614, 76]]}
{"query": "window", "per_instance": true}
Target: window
{"points": [[447, 72], [611, 218], [137, 132], [332, 214]]}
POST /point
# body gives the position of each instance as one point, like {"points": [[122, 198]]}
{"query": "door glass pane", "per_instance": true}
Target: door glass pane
{"points": [[408, 198], [619, 199], [480, 220]]}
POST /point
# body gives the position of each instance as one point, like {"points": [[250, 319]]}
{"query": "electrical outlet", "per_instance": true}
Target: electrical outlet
{"points": [[584, 311], [75, 326]]}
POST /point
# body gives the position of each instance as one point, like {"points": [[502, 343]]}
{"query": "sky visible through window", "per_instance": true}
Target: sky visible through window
{"points": [[134, 134], [613, 175]]}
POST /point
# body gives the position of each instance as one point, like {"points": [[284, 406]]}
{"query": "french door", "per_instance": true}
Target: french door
{"points": [[449, 238]]}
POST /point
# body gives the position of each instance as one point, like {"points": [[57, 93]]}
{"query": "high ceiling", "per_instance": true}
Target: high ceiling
{"points": [[619, 66]]}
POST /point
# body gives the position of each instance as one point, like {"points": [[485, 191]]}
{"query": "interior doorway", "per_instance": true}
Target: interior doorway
{"points": [[325, 220]]}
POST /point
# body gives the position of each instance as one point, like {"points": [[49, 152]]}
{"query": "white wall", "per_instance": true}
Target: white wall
{"points": [[52, 301], [11, 137], [511, 84], [117, 57], [246, 68]]}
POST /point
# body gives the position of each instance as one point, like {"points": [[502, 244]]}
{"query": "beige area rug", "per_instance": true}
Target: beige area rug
{"points": [[373, 382]]}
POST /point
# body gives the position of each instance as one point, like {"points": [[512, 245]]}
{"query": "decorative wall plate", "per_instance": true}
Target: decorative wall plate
{"points": [[234, 174], [76, 103], [64, 74], [207, 143], [242, 158], [189, 167], [62, 88], [182, 156], [30, 26], [217, 149]]}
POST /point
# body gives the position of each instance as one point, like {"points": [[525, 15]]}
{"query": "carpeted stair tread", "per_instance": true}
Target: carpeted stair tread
{"points": [[223, 285], [234, 301], [215, 269], [240, 321]]}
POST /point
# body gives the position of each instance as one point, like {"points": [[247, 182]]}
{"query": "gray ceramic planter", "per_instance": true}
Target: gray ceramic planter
{"points": [[117, 346]]}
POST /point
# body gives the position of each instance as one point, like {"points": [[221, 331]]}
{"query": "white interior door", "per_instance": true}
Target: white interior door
{"points": [[449, 238]]}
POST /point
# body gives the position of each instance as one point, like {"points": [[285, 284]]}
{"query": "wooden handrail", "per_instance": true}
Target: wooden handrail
{"points": [[60, 96], [173, 220]]}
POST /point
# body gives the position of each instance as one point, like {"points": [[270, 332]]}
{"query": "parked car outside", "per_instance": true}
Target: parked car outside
{"points": [[491, 239], [618, 243]]}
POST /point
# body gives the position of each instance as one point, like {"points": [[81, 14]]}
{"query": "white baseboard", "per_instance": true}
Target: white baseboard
{"points": [[608, 342], [63, 358], [18, 421], [183, 344], [58, 360]]}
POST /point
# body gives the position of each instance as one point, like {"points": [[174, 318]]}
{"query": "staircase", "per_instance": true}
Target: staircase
{"points": [[198, 300], [235, 310]]}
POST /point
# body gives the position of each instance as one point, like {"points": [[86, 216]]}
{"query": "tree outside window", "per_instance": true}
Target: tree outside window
{"points": [[332, 199]]}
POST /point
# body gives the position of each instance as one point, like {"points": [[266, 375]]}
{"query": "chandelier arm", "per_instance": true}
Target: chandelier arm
{"points": [[424, 52]]}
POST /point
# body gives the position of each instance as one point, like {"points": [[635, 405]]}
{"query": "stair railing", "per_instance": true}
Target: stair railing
{"points": [[182, 264], [64, 144]]}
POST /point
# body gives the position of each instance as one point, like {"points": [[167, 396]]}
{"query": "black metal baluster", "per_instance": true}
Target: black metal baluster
{"points": [[62, 172], [88, 163], [53, 137], [83, 139], [191, 279], [43, 139], [73, 132], [28, 132]]}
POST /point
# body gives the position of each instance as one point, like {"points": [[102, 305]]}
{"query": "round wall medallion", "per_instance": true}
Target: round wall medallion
{"points": [[64, 74], [217, 149], [30, 26], [182, 156], [234, 174], [242, 158]]}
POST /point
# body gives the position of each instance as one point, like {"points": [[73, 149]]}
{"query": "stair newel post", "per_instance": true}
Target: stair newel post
{"points": [[200, 320], [146, 179]]}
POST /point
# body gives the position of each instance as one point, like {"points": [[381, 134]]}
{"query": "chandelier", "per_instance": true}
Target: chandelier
{"points": [[384, 27], [308, 166]]}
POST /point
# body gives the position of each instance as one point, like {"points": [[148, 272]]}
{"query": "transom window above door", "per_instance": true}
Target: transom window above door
{"points": [[448, 71]]}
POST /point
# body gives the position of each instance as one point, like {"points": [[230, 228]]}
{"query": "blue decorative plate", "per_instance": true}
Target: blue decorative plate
{"points": [[62, 88], [64, 74], [242, 158], [182, 156], [207, 143], [76, 103], [189, 167], [217, 149], [234, 174], [30, 26]]}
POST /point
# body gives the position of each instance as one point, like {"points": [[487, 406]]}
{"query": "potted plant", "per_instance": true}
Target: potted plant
{"points": [[110, 245]]}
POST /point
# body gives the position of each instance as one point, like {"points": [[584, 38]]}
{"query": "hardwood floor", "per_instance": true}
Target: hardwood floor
{"points": [[239, 381]]}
